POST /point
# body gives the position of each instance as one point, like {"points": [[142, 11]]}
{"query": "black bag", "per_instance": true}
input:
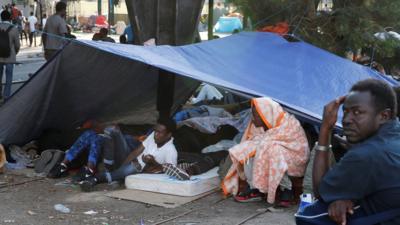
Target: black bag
{"points": [[5, 48]]}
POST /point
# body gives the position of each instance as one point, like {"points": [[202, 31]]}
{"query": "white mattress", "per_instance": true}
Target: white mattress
{"points": [[162, 183]]}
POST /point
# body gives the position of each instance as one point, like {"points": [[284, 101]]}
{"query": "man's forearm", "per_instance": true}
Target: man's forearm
{"points": [[321, 160], [134, 154]]}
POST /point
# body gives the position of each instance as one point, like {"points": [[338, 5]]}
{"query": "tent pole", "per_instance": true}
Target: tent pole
{"points": [[165, 93]]}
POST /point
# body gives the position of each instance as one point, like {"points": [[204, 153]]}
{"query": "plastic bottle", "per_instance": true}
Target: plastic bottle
{"points": [[305, 200], [62, 208]]}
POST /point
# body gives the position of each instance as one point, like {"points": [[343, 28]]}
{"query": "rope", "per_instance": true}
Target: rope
{"points": [[301, 20], [42, 32], [270, 16]]}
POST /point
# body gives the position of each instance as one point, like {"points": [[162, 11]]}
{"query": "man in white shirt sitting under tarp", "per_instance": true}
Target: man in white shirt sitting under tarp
{"points": [[156, 149]]}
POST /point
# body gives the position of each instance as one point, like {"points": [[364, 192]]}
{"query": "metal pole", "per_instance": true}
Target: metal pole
{"points": [[110, 14], [210, 19], [99, 7]]}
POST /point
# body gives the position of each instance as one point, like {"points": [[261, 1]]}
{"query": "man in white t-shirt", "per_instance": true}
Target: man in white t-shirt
{"points": [[156, 149], [32, 20]]}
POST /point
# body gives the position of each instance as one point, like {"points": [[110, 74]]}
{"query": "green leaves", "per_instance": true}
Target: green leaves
{"points": [[350, 24]]}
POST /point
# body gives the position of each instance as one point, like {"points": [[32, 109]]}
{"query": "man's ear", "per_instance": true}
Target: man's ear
{"points": [[385, 115]]}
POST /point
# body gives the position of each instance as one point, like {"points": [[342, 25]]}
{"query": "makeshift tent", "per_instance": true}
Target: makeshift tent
{"points": [[116, 82]]}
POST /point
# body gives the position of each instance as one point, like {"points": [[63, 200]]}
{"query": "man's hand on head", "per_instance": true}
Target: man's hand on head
{"points": [[339, 209], [330, 113]]}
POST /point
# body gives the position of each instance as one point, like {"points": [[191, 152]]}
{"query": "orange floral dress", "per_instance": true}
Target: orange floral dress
{"points": [[283, 148]]}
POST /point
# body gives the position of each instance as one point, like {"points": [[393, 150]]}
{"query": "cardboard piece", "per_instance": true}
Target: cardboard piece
{"points": [[158, 199]]}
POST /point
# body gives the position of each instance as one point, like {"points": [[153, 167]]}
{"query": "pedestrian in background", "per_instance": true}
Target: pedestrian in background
{"points": [[32, 20], [9, 47], [54, 32]]}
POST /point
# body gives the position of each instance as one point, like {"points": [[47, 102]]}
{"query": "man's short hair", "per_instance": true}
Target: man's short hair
{"points": [[31, 13], [383, 94], [103, 31], [60, 6], [5, 15], [168, 123]]}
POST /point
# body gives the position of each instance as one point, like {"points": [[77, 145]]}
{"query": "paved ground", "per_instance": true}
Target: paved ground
{"points": [[32, 202]]}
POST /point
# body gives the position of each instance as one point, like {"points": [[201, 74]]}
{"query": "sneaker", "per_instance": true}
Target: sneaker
{"points": [[84, 173], [88, 184], [251, 195], [48, 160], [175, 172], [58, 171], [285, 199]]}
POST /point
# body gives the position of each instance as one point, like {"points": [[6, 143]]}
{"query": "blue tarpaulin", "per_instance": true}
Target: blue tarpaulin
{"points": [[298, 75], [119, 83]]}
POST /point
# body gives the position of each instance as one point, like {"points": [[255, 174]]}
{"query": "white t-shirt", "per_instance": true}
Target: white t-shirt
{"points": [[44, 22], [32, 21], [166, 154]]}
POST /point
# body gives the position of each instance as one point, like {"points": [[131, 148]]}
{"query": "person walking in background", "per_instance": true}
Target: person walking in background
{"points": [[15, 14], [21, 29], [44, 19], [9, 47], [54, 31], [32, 20]]}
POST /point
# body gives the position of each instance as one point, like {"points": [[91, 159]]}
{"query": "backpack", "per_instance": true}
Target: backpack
{"points": [[5, 49]]}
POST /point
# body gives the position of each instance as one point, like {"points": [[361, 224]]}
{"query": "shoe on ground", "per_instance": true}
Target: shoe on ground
{"points": [[88, 184], [48, 160], [285, 199], [42, 161], [58, 171], [251, 195], [83, 174]]}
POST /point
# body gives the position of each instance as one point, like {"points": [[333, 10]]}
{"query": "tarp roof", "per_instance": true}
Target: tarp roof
{"points": [[113, 81], [298, 75]]}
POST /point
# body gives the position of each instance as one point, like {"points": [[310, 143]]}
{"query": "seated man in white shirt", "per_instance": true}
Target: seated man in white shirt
{"points": [[156, 149]]}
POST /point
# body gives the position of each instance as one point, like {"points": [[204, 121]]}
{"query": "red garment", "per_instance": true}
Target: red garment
{"points": [[101, 21], [15, 13], [281, 28]]}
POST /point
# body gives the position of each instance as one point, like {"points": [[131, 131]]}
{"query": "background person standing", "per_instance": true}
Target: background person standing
{"points": [[54, 31], [32, 20], [9, 47]]}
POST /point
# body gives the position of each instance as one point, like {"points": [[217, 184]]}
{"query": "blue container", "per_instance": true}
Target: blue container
{"points": [[228, 25]]}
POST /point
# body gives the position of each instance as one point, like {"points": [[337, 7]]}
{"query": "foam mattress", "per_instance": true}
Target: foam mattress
{"points": [[162, 183]]}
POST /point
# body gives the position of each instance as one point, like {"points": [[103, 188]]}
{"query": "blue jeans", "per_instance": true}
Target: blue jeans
{"points": [[88, 140], [120, 173], [9, 78], [117, 147]]}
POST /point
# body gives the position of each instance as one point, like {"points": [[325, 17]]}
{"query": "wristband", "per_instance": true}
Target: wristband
{"points": [[322, 148]]}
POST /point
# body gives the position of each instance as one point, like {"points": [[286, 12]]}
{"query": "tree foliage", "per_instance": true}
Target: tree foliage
{"points": [[350, 25]]}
